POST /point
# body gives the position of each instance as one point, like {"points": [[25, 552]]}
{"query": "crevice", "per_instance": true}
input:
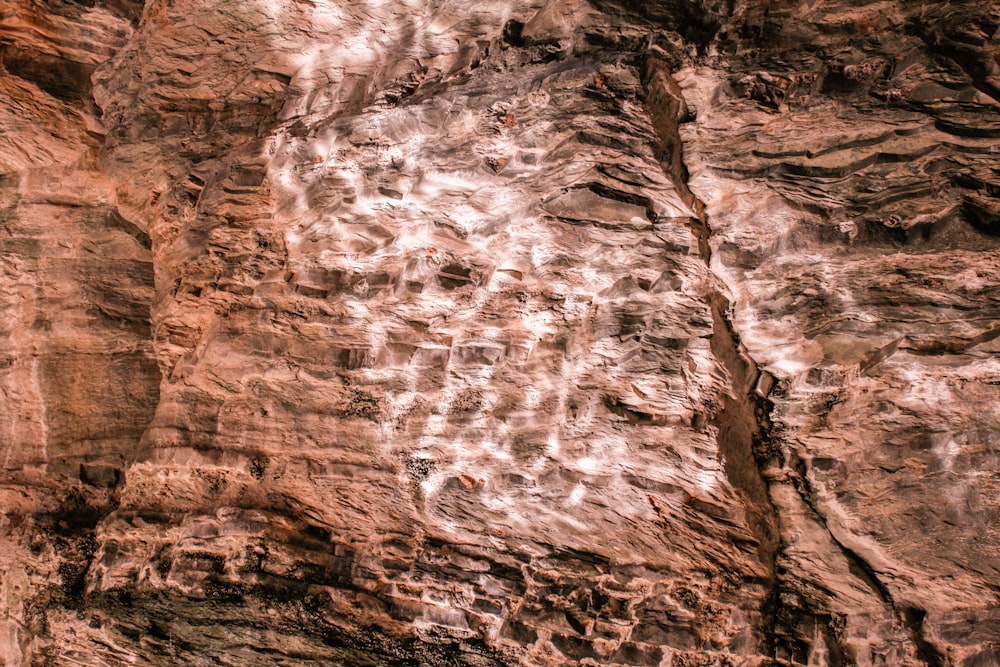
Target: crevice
{"points": [[909, 616], [743, 420], [975, 61], [926, 651], [860, 568], [744, 441]]}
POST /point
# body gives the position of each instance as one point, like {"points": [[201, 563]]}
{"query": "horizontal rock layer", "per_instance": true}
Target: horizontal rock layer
{"points": [[519, 333]]}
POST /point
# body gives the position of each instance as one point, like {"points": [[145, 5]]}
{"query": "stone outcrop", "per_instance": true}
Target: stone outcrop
{"points": [[520, 333], [851, 188]]}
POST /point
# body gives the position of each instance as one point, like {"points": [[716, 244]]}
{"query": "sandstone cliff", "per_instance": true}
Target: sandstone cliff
{"points": [[535, 332]]}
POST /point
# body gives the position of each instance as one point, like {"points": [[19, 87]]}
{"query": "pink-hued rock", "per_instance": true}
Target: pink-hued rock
{"points": [[516, 333]]}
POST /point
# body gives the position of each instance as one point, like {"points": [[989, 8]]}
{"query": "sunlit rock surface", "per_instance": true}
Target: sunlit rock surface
{"points": [[516, 333], [852, 191]]}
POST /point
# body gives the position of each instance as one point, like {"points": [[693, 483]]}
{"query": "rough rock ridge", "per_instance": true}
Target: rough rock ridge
{"points": [[517, 333]]}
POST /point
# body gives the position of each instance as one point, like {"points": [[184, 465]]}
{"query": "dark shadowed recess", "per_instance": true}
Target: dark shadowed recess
{"points": [[697, 22]]}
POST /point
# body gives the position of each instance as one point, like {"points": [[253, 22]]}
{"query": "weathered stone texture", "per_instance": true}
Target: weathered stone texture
{"points": [[523, 332]]}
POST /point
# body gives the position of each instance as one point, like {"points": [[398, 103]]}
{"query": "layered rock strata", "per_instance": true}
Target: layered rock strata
{"points": [[851, 190], [78, 376], [520, 333]]}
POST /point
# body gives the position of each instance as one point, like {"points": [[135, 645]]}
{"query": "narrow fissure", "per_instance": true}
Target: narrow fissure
{"points": [[912, 618], [743, 419], [743, 422]]}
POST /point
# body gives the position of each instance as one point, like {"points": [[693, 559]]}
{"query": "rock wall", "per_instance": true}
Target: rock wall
{"points": [[520, 333], [851, 187]]}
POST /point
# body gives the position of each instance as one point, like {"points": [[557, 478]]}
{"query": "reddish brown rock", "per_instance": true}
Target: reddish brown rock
{"points": [[532, 333]]}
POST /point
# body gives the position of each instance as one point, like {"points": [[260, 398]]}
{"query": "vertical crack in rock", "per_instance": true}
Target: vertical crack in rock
{"points": [[743, 418], [744, 424], [832, 160], [909, 616]]}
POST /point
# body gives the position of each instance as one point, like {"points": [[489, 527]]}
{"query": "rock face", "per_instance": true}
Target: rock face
{"points": [[519, 333]]}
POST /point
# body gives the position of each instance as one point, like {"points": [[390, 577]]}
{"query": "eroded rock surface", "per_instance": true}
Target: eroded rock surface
{"points": [[537, 333], [852, 193]]}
